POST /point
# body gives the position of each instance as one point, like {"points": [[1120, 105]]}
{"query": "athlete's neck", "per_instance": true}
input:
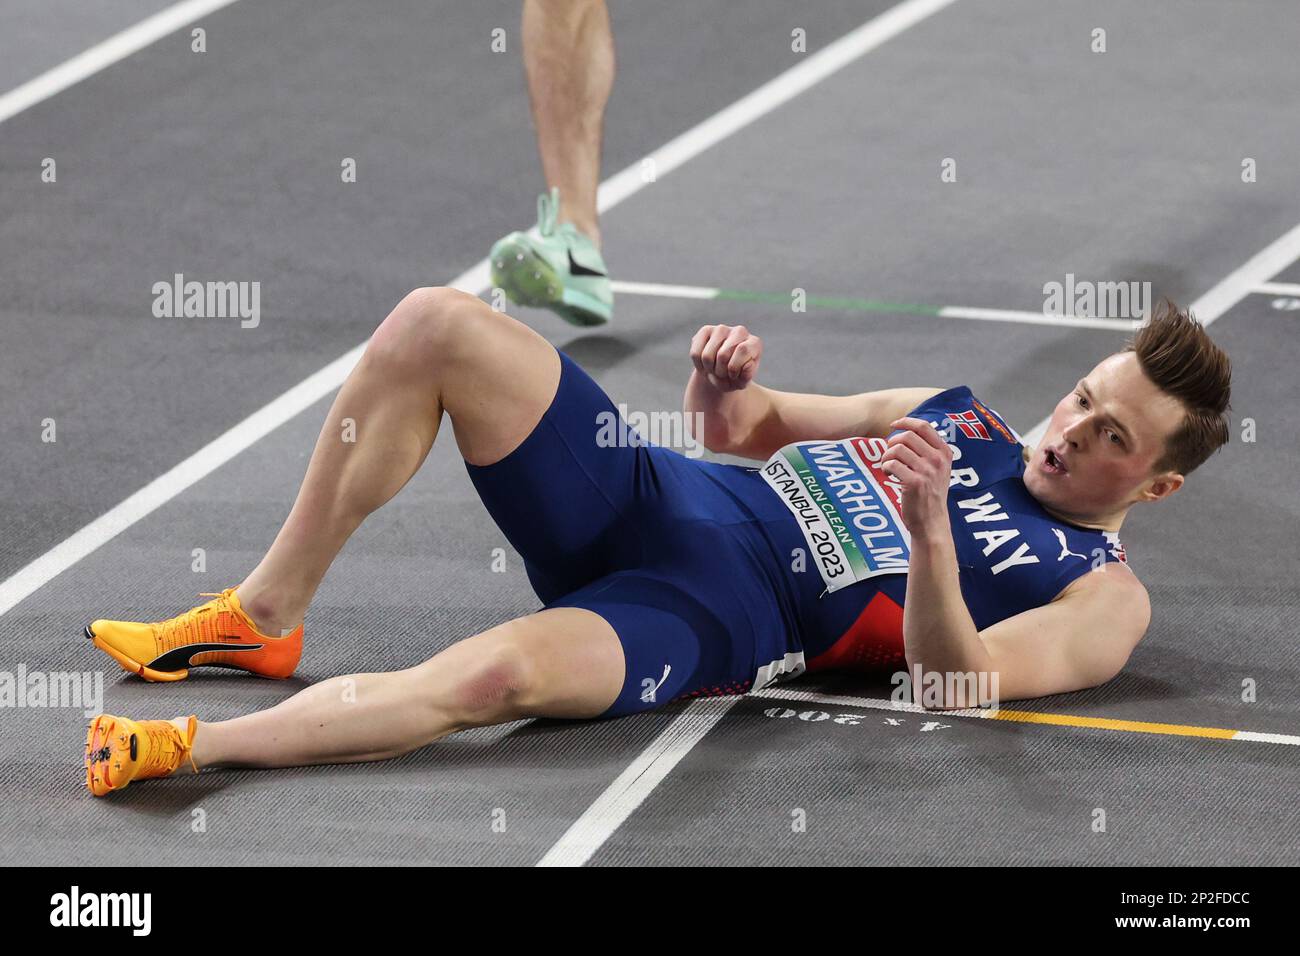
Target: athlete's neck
{"points": [[1109, 522]]}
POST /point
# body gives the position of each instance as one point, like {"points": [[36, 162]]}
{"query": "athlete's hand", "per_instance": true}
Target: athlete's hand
{"points": [[922, 462], [727, 354]]}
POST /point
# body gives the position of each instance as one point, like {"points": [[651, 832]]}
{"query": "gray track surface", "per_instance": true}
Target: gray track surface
{"points": [[41, 34], [225, 165]]}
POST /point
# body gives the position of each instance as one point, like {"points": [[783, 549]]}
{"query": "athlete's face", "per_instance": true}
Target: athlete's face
{"points": [[1101, 446]]}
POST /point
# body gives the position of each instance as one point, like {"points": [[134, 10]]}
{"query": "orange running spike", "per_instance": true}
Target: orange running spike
{"points": [[119, 750], [216, 634]]}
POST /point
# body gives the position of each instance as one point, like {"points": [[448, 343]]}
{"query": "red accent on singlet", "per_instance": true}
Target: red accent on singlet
{"points": [[873, 642]]}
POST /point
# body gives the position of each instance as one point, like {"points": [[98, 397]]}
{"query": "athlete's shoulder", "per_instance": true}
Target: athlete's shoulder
{"points": [[1113, 582], [995, 421], [941, 399], [967, 412]]}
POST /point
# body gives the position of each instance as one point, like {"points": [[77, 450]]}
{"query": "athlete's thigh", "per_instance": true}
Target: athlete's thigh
{"points": [[677, 640], [497, 377], [568, 497]]}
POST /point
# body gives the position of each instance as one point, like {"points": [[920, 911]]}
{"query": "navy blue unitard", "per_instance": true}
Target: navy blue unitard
{"points": [[711, 576]]}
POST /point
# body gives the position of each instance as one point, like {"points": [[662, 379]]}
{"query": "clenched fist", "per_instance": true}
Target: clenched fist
{"points": [[727, 354], [921, 461]]}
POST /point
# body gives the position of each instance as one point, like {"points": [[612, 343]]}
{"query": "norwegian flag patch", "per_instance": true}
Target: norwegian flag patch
{"points": [[971, 425]]}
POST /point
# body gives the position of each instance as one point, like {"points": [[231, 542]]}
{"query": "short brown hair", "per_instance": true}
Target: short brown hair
{"points": [[1179, 356]]}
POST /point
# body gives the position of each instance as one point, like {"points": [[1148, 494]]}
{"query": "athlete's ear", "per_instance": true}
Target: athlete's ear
{"points": [[1162, 486]]}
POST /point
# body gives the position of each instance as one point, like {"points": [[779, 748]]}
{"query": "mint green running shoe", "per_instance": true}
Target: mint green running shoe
{"points": [[559, 269]]}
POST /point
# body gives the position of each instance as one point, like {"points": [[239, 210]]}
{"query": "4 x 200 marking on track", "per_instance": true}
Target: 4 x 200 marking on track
{"points": [[1033, 717], [845, 720]]}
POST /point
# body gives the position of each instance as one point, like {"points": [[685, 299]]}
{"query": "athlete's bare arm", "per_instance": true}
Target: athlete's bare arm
{"points": [[746, 419], [783, 417], [1081, 639]]}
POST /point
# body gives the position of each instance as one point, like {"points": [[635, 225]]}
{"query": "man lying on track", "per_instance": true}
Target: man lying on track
{"points": [[909, 525]]}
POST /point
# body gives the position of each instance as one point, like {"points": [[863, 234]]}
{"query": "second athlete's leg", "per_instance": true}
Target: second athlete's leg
{"points": [[569, 60], [439, 350]]}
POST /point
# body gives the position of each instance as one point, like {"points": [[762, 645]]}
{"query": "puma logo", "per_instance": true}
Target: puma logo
{"points": [[1065, 548], [180, 657]]}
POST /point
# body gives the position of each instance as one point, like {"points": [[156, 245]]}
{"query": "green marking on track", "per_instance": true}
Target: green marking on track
{"points": [[824, 302]]}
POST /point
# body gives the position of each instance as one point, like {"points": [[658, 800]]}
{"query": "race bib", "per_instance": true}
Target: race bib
{"points": [[846, 506]]}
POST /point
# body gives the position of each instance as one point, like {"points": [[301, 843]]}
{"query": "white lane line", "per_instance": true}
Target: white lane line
{"points": [[1260, 267], [780, 692], [474, 280], [657, 288], [1278, 288], [1038, 318], [101, 55], [612, 808], [768, 97], [167, 486], [948, 312], [599, 821], [1265, 738], [1226, 293]]}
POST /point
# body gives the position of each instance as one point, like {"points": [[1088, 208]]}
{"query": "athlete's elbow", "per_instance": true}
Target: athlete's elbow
{"points": [[938, 685], [716, 435], [716, 442]]}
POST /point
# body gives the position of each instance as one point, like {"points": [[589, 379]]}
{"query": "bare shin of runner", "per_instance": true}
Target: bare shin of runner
{"points": [[568, 51], [438, 351]]}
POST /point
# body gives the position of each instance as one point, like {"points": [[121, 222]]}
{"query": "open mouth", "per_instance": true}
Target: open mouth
{"points": [[1053, 465]]}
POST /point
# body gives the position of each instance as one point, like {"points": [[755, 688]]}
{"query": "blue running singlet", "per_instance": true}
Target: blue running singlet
{"points": [[721, 578]]}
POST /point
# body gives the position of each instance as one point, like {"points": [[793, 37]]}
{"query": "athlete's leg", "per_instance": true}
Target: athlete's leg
{"points": [[565, 662], [439, 350], [569, 58], [625, 643]]}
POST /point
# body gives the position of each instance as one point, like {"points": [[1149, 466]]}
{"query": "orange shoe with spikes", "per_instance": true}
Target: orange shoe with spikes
{"points": [[216, 634], [119, 750]]}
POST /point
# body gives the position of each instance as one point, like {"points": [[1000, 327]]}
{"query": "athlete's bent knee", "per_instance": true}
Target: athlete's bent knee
{"points": [[425, 326], [497, 685]]}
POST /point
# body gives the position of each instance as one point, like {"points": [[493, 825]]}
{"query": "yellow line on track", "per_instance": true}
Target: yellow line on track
{"points": [[1109, 723], [1030, 717]]}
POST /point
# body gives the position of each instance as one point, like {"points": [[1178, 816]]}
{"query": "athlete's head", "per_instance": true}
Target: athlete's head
{"points": [[1136, 425]]}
